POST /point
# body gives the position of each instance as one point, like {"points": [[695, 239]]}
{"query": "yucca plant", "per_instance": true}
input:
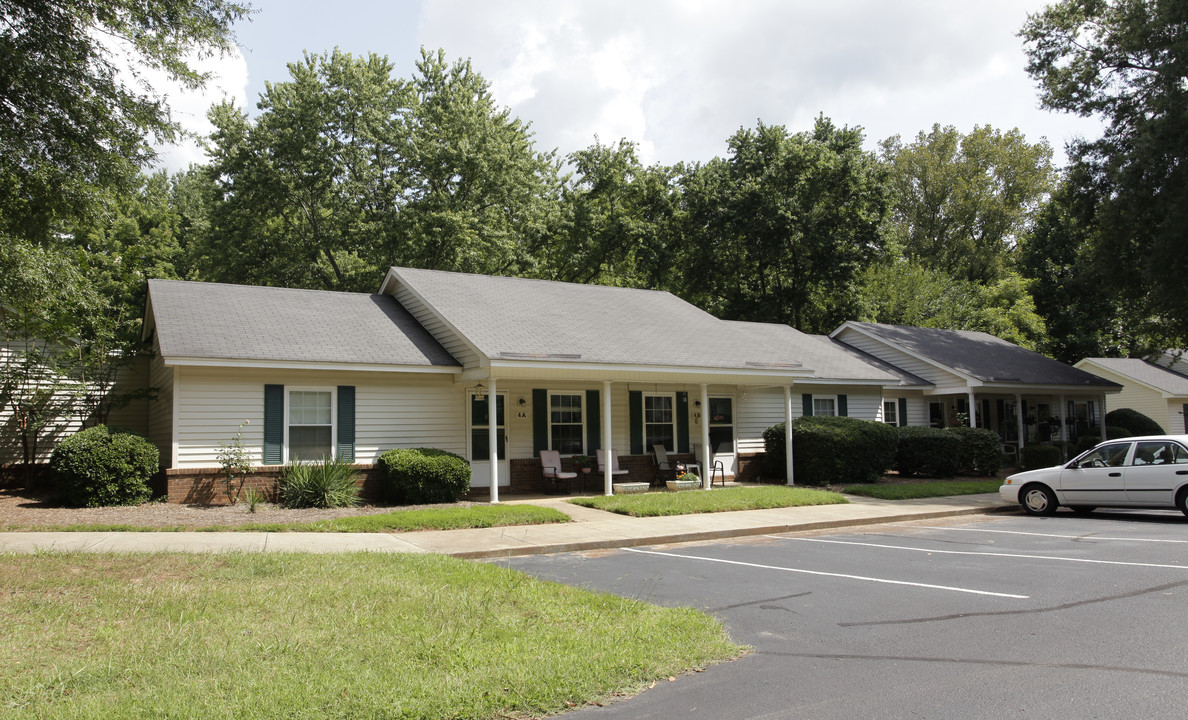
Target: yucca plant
{"points": [[327, 484]]}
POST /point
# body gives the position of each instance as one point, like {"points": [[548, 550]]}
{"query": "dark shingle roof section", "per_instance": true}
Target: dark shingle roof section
{"points": [[240, 322], [521, 319], [983, 357], [1154, 375]]}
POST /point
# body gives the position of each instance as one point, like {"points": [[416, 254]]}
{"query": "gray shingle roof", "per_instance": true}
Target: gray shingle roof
{"points": [[983, 356], [904, 377], [515, 318], [1154, 375], [240, 322]]}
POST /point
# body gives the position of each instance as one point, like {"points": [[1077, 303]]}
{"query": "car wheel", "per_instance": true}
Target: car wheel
{"points": [[1182, 500], [1081, 509], [1038, 500]]}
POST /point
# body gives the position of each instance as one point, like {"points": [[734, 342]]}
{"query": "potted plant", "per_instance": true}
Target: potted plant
{"points": [[584, 463]]}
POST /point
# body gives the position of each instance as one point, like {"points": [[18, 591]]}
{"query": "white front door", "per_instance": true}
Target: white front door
{"points": [[721, 433], [479, 446]]}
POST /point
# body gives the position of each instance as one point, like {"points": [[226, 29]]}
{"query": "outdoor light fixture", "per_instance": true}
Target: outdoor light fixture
{"points": [[523, 402]]}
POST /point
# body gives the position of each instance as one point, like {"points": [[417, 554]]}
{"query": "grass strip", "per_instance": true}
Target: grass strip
{"points": [[723, 500], [290, 635], [447, 518], [938, 488]]}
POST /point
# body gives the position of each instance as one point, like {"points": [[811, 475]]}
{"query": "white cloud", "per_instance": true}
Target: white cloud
{"points": [[680, 77], [229, 79]]}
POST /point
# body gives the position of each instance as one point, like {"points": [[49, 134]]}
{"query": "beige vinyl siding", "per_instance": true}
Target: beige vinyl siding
{"points": [[160, 410], [392, 410], [1175, 416], [450, 340], [917, 405], [11, 447], [135, 415], [942, 379], [1137, 397], [759, 410]]}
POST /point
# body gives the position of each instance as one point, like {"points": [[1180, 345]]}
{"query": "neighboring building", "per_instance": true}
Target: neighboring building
{"points": [[984, 381], [1149, 387], [433, 357]]}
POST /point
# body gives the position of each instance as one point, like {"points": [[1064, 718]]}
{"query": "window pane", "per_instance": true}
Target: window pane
{"points": [[565, 408], [478, 410], [823, 406], [309, 442], [480, 449], [567, 439], [890, 410], [722, 439], [721, 411], [659, 435]]}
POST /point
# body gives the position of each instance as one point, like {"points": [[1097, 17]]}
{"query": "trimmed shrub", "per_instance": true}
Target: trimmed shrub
{"points": [[980, 452], [927, 452], [425, 475], [1087, 441], [327, 484], [95, 467], [833, 450], [1040, 456], [1133, 421], [1117, 432]]}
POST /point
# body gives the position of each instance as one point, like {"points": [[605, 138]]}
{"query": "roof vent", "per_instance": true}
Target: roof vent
{"points": [[541, 356], [775, 365]]}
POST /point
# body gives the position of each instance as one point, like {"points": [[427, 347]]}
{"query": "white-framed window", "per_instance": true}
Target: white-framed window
{"points": [[659, 420], [891, 412], [309, 423], [566, 422], [825, 405]]}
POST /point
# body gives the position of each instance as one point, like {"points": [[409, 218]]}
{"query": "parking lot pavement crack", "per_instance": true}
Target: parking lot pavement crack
{"points": [[1031, 611], [758, 602], [979, 661]]}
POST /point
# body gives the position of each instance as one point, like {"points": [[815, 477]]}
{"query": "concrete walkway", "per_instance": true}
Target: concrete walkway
{"points": [[590, 529]]}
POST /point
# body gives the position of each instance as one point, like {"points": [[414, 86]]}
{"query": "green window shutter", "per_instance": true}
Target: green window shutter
{"points": [[540, 421], [635, 408], [346, 423], [274, 424], [902, 412], [593, 422], [806, 405], [682, 421], [843, 406]]}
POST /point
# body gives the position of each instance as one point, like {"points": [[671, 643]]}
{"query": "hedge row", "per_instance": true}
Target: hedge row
{"points": [[839, 450]]}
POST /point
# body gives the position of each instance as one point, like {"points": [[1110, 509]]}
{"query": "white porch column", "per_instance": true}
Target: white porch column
{"points": [[788, 432], [707, 452], [1063, 423], [607, 478], [493, 438], [973, 410], [1019, 417], [1101, 418]]}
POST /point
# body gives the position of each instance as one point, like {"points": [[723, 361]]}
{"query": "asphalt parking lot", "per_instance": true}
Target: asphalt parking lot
{"points": [[1015, 616]]}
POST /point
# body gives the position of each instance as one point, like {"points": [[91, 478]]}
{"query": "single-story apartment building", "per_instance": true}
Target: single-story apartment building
{"points": [[497, 369]]}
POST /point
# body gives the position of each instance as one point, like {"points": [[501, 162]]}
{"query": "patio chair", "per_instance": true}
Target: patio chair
{"points": [[665, 470], [599, 455], [717, 469], [550, 468]]}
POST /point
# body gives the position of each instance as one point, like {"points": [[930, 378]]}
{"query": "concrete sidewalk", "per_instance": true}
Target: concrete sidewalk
{"points": [[590, 529]]}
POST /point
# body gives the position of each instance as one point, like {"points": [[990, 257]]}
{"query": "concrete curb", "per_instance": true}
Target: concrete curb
{"points": [[722, 534]]}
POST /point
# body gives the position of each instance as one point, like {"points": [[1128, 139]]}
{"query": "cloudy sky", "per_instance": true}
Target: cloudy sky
{"points": [[678, 77]]}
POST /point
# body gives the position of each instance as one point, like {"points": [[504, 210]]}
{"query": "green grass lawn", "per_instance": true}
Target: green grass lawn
{"points": [[367, 635], [698, 501], [446, 518], [937, 488]]}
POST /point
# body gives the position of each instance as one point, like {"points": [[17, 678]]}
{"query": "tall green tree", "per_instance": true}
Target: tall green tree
{"points": [[71, 123], [620, 223], [960, 203], [1126, 61], [778, 230]]}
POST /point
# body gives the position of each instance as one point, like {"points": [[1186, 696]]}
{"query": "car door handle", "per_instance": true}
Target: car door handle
{"points": [[1115, 474], [1182, 472]]}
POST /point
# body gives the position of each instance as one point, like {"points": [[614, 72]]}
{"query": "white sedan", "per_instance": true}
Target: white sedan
{"points": [[1136, 472]]}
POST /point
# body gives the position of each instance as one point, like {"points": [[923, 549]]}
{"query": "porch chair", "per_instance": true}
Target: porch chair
{"points": [[550, 469], [717, 469], [599, 456]]}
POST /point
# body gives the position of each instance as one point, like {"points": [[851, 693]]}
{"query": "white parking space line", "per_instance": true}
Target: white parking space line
{"points": [[1052, 535], [933, 551], [828, 574]]}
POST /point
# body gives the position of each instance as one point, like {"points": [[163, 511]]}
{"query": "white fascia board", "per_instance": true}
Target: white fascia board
{"points": [[394, 278], [300, 365], [1016, 389], [595, 368], [847, 381], [969, 379]]}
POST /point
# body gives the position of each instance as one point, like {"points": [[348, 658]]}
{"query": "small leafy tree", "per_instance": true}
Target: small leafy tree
{"points": [[236, 463]]}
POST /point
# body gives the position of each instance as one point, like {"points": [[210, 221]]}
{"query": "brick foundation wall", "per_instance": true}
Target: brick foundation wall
{"points": [[205, 486]]}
